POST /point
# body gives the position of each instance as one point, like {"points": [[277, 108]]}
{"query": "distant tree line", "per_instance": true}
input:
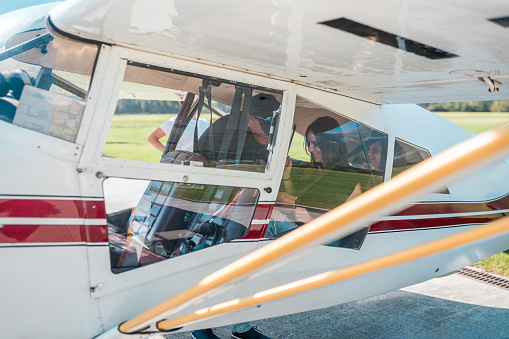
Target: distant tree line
{"points": [[471, 106], [138, 106], [130, 106]]}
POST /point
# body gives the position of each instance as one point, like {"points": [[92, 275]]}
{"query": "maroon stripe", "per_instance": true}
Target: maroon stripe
{"points": [[449, 208], [262, 212], [392, 225], [443, 208], [48, 208], [52, 208], [13, 234], [90, 209]]}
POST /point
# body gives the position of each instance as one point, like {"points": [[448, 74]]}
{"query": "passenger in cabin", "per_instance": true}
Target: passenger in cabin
{"points": [[250, 145], [374, 151], [327, 150], [186, 141]]}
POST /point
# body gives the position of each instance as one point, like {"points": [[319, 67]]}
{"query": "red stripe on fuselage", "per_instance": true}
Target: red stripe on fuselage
{"points": [[427, 210], [421, 214], [52, 208], [262, 212], [95, 209], [57, 209], [455, 207], [409, 224], [14, 234]]}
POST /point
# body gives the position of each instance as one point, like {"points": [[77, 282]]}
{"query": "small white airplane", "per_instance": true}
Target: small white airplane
{"points": [[306, 104]]}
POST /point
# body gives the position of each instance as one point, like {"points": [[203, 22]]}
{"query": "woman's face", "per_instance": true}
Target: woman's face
{"points": [[314, 149], [374, 154]]}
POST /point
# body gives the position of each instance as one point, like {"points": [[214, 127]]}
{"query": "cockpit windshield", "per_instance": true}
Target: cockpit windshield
{"points": [[175, 117], [44, 80]]}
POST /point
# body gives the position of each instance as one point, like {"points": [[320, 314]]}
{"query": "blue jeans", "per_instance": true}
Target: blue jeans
{"points": [[241, 327]]}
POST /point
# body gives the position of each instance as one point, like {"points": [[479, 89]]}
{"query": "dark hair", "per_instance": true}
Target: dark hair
{"points": [[331, 144]]}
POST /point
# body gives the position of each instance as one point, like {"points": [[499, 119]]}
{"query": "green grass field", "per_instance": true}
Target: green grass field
{"points": [[128, 140], [128, 136], [475, 123]]}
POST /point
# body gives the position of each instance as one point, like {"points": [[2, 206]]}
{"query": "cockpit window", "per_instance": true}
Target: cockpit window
{"points": [[210, 122], [44, 82], [161, 220], [332, 159]]}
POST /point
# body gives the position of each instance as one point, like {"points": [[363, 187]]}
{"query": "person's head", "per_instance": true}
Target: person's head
{"points": [[262, 110], [322, 144], [374, 151]]}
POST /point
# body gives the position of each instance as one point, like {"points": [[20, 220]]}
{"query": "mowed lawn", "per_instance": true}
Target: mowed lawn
{"points": [[128, 136], [475, 123], [129, 133]]}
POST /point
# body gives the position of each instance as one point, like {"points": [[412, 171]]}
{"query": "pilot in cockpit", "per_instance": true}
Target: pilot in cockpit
{"points": [[226, 140]]}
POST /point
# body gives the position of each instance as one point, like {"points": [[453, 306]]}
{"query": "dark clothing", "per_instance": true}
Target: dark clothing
{"points": [[210, 143]]}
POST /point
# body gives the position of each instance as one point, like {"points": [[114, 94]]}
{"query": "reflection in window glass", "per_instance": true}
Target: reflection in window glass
{"points": [[172, 219], [333, 159], [229, 125], [43, 88], [407, 155]]}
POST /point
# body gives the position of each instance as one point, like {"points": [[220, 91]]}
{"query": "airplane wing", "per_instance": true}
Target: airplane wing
{"points": [[393, 51]]}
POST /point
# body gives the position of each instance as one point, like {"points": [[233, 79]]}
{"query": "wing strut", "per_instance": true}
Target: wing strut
{"points": [[327, 278], [466, 157]]}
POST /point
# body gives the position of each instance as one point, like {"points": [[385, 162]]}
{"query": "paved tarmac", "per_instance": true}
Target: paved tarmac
{"points": [[450, 307]]}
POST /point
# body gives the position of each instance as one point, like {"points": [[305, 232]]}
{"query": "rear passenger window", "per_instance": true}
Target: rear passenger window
{"points": [[407, 155]]}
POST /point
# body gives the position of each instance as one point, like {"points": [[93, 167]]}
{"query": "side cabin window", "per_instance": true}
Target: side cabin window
{"points": [[162, 220], [210, 122], [407, 155], [332, 159], [44, 81]]}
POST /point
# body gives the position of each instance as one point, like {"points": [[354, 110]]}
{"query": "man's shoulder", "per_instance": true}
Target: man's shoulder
{"points": [[170, 121]]}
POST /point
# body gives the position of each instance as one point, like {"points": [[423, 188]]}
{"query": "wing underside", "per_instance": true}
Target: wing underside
{"points": [[395, 51]]}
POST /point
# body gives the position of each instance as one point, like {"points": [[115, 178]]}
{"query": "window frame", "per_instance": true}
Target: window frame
{"points": [[396, 139], [358, 115], [119, 228], [393, 145], [112, 78]]}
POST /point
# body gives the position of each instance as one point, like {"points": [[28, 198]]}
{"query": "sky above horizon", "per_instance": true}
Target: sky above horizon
{"points": [[9, 6]]}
